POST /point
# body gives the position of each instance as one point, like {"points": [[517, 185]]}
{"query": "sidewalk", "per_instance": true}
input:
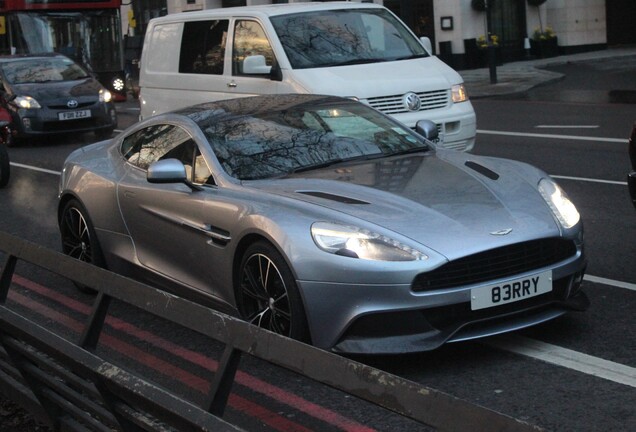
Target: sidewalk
{"points": [[521, 76]]}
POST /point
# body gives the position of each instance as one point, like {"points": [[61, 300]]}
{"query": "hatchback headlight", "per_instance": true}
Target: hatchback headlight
{"points": [[561, 206], [458, 93], [26, 102], [105, 95], [361, 243]]}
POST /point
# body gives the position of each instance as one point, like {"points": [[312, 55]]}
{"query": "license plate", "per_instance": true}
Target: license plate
{"points": [[510, 291], [72, 115]]}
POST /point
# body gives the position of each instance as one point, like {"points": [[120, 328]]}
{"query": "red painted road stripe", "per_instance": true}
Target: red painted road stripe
{"points": [[253, 383], [239, 403]]}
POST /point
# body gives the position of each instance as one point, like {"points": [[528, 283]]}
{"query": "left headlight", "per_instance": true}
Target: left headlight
{"points": [[458, 93], [26, 102], [105, 96], [561, 206], [359, 243]]}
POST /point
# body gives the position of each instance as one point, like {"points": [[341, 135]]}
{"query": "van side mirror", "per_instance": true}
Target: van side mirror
{"points": [[428, 46], [256, 65], [427, 129]]}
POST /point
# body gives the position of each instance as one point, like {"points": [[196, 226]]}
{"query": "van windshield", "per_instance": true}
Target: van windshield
{"points": [[345, 37]]}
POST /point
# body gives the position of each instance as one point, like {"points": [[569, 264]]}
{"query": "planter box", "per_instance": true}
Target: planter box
{"points": [[544, 48]]}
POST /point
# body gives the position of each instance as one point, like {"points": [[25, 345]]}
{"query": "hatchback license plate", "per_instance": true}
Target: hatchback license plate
{"points": [[72, 115], [510, 291]]}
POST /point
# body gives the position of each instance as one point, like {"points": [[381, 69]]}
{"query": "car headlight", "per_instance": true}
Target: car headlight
{"points": [[105, 96], [361, 243], [561, 206], [26, 102], [458, 93]]}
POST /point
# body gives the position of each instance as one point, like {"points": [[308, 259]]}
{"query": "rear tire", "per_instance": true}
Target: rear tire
{"points": [[5, 167], [267, 295], [78, 237]]}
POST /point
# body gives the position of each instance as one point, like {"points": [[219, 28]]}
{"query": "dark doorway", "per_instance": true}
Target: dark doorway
{"points": [[621, 16], [417, 14], [509, 24]]}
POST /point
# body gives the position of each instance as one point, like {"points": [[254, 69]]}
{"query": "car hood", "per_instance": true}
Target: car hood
{"points": [[60, 90], [449, 204], [379, 79]]}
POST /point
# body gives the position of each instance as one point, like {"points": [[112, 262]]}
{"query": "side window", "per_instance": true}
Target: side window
{"points": [[203, 47], [167, 142], [250, 42]]}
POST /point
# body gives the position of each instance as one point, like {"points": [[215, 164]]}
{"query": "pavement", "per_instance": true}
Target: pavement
{"points": [[521, 76]]}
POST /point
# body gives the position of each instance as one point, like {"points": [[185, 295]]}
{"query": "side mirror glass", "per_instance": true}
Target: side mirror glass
{"points": [[428, 46]]}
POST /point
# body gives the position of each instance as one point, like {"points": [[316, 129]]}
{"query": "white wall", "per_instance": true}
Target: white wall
{"points": [[578, 22]]}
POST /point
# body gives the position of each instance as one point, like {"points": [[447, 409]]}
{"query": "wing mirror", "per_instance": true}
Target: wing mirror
{"points": [[169, 171], [256, 65], [427, 129], [428, 46]]}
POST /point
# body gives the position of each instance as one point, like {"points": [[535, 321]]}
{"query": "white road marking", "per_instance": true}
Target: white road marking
{"points": [[610, 282], [553, 136], [32, 168], [567, 126], [613, 182], [564, 357]]}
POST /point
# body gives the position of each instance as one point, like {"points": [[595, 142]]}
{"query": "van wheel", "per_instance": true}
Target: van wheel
{"points": [[267, 295]]}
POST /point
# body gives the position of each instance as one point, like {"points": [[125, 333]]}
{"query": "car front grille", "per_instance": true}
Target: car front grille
{"points": [[496, 264], [70, 125], [394, 105]]}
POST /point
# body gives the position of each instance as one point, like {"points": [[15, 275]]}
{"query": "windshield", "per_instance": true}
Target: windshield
{"points": [[344, 37], [42, 69], [275, 143], [91, 37]]}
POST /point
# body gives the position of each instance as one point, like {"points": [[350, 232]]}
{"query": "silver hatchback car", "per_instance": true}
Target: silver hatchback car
{"points": [[322, 219], [52, 94]]}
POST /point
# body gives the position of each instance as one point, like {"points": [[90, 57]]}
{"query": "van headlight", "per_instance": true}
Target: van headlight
{"points": [[458, 93], [559, 203], [26, 102], [360, 243]]}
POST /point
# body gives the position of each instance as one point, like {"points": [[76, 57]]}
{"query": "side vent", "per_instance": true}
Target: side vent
{"points": [[332, 197], [482, 170]]}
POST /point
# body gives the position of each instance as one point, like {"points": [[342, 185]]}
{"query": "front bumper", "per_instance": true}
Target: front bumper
{"points": [[46, 121], [393, 319]]}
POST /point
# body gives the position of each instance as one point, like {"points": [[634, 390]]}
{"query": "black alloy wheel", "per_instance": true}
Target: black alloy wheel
{"points": [[5, 167], [267, 295], [78, 237]]}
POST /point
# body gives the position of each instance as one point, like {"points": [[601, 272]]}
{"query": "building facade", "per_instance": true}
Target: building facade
{"points": [[459, 29]]}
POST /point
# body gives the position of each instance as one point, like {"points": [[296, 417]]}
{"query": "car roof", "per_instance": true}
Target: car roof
{"points": [[263, 11]]}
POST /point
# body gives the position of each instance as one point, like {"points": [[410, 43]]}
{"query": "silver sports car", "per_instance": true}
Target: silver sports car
{"points": [[321, 219]]}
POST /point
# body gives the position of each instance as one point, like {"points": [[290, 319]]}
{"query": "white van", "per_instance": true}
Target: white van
{"points": [[354, 50]]}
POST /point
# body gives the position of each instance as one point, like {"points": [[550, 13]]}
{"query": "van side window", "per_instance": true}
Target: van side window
{"points": [[252, 52], [203, 47]]}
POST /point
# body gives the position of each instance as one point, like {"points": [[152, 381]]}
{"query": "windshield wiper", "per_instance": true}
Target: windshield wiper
{"points": [[410, 150], [316, 166], [356, 61], [411, 57]]}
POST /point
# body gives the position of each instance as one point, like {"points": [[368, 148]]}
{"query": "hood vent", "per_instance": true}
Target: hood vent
{"points": [[482, 170], [332, 197]]}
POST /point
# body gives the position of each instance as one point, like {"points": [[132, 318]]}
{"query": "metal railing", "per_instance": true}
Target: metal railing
{"points": [[68, 387]]}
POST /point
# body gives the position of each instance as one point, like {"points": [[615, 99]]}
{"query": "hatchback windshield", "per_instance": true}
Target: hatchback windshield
{"points": [[42, 69], [344, 37], [275, 143]]}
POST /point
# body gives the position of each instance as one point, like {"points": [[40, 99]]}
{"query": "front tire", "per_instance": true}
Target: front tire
{"points": [[267, 295], [78, 237]]}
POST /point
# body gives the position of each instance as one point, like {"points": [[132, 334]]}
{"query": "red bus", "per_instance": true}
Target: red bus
{"points": [[88, 31]]}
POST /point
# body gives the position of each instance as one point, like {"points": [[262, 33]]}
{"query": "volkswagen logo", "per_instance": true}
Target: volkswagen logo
{"points": [[72, 103], [412, 101]]}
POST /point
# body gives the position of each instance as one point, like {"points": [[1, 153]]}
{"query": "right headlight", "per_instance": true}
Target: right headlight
{"points": [[360, 243], [458, 93], [26, 102], [561, 206]]}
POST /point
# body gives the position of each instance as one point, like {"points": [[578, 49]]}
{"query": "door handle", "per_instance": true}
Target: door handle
{"points": [[232, 84]]}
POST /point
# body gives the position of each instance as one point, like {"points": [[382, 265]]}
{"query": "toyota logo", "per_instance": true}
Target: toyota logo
{"points": [[72, 103], [412, 101]]}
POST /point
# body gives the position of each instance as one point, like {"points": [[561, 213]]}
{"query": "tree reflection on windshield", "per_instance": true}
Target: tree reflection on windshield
{"points": [[276, 142], [344, 37]]}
